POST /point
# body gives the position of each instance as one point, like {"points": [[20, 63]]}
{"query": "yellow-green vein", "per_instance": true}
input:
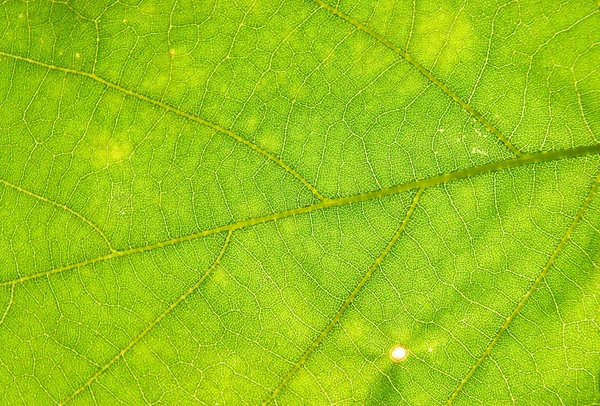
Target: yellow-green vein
{"points": [[61, 206], [152, 324], [529, 292], [178, 112], [347, 302], [418, 184], [466, 106], [10, 302]]}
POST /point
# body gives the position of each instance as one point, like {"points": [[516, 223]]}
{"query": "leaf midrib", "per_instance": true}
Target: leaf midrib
{"points": [[339, 314], [539, 157]]}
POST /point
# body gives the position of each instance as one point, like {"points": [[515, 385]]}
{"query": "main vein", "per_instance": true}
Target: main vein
{"points": [[157, 320], [174, 110], [466, 106], [528, 294], [418, 184], [347, 302], [62, 206]]}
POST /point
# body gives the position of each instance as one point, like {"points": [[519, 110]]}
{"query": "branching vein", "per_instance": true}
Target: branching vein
{"points": [[181, 113], [347, 302], [157, 320], [62, 206], [528, 294], [418, 184], [466, 106]]}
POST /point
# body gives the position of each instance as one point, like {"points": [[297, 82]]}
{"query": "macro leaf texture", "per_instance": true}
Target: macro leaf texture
{"points": [[246, 202]]}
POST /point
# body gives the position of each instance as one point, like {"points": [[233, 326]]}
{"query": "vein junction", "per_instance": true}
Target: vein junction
{"points": [[161, 316], [65, 208], [178, 112], [478, 116], [418, 184], [348, 300], [529, 292]]}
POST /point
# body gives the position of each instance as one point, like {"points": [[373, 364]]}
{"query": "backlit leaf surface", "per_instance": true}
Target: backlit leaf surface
{"points": [[250, 202]]}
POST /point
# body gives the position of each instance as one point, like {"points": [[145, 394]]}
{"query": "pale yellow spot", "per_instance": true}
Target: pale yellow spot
{"points": [[124, 21], [148, 9], [270, 141], [251, 208], [398, 353], [476, 150], [109, 151], [357, 329], [443, 39], [77, 55], [252, 124], [172, 53], [220, 277], [117, 151], [20, 15]]}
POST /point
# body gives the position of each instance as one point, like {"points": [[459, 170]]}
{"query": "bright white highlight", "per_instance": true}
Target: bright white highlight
{"points": [[398, 353]]}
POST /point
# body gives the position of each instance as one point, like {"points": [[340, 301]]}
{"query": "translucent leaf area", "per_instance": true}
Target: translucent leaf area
{"points": [[299, 202]]}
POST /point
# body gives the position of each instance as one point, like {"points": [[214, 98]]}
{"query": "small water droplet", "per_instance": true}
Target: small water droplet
{"points": [[398, 353]]}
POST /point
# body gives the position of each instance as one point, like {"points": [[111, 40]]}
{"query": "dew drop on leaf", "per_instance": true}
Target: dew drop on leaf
{"points": [[398, 353]]}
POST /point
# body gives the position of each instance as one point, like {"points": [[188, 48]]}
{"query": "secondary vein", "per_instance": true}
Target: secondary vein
{"points": [[178, 112], [390, 45], [347, 302], [157, 320], [63, 207], [418, 184], [529, 292]]}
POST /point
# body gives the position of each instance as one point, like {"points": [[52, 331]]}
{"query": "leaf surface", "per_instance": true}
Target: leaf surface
{"points": [[254, 202]]}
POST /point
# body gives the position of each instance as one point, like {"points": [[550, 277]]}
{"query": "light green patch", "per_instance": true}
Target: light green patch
{"points": [[221, 278], [270, 141], [251, 207], [109, 150], [444, 39]]}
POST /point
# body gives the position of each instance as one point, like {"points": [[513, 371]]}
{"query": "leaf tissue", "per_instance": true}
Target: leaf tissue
{"points": [[299, 202]]}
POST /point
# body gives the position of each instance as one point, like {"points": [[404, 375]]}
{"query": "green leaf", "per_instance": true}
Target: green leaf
{"points": [[252, 202]]}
